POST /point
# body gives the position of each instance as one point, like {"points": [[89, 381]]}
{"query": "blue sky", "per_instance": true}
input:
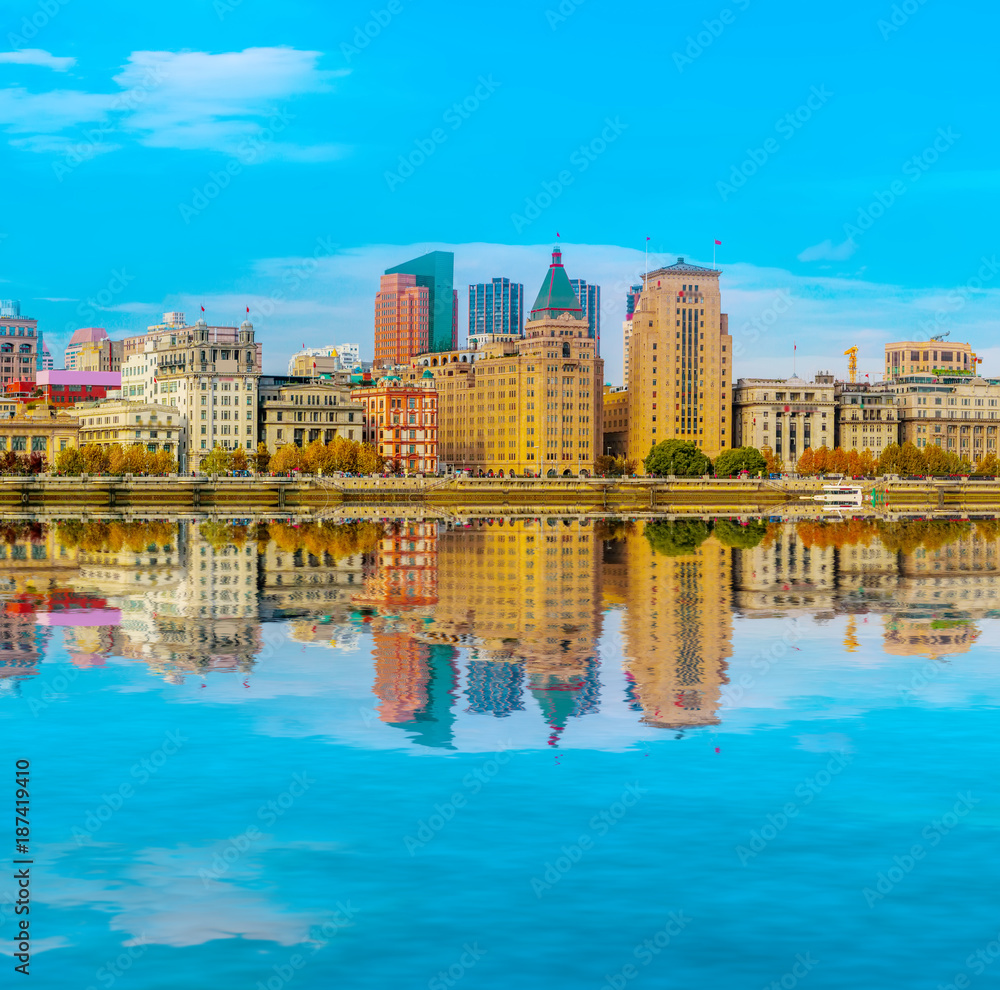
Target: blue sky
{"points": [[234, 152]]}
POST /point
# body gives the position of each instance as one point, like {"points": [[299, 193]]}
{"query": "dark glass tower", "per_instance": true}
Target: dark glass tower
{"points": [[436, 270]]}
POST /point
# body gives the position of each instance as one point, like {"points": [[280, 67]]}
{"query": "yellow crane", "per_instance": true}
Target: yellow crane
{"points": [[852, 364]]}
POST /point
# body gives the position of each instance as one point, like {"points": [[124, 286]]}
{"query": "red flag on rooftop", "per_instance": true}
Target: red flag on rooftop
{"points": [[203, 309], [248, 310], [718, 242]]}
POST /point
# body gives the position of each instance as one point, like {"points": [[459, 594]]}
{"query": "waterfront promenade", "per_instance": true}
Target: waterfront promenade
{"points": [[612, 495]]}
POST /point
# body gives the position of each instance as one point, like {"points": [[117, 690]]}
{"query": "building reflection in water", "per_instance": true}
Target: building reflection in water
{"points": [[494, 618]]}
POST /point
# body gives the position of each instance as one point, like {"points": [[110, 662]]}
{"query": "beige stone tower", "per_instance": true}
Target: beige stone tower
{"points": [[680, 362]]}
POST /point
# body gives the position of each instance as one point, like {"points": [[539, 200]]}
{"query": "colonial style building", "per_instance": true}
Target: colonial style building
{"points": [[302, 413], [400, 421], [214, 386], [524, 406], [155, 426], [38, 429], [866, 417], [787, 415], [957, 413], [20, 345], [680, 362]]}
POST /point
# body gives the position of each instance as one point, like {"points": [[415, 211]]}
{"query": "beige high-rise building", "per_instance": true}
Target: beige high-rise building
{"points": [[680, 362], [530, 405], [912, 357], [677, 644]]}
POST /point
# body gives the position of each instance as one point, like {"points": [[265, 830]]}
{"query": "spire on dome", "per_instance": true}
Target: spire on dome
{"points": [[556, 295]]}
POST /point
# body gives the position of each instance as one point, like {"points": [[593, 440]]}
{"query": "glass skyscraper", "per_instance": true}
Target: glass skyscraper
{"points": [[590, 301], [436, 270], [496, 307]]}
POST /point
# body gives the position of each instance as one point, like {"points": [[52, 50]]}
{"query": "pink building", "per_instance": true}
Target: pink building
{"points": [[402, 320]]}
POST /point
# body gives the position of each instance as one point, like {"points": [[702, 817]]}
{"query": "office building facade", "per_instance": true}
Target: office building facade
{"points": [[528, 405], [435, 272], [495, 308], [402, 320], [680, 362], [590, 307]]}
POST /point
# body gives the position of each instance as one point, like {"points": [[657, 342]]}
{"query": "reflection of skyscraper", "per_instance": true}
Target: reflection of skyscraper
{"points": [[494, 688], [523, 591], [678, 631], [406, 575], [416, 686]]}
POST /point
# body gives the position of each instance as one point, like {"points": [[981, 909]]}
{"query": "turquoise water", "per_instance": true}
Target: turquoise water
{"points": [[714, 777]]}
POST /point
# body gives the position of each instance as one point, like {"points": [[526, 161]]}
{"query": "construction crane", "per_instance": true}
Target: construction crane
{"points": [[852, 364]]}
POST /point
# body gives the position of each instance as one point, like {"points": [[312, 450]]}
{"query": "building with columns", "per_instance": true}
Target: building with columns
{"points": [[785, 414]]}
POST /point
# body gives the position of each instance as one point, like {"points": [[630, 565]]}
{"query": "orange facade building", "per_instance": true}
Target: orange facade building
{"points": [[400, 421], [402, 320]]}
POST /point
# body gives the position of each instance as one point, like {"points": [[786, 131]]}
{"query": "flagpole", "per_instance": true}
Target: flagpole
{"points": [[713, 252]]}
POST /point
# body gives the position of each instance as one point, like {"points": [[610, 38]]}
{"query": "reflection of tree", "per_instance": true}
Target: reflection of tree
{"points": [[613, 529], [823, 534], [677, 538], [911, 535], [96, 536], [335, 539], [11, 532], [734, 534]]}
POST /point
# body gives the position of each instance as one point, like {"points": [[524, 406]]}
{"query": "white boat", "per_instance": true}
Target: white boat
{"points": [[841, 495]]}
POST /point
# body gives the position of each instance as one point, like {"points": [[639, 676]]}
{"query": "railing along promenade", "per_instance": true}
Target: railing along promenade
{"points": [[260, 493]]}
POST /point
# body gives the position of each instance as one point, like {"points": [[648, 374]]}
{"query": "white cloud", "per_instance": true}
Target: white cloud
{"points": [[186, 100], [200, 100], [38, 56], [828, 251], [47, 113]]}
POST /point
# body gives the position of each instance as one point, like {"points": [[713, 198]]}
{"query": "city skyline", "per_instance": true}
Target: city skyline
{"points": [[779, 169]]}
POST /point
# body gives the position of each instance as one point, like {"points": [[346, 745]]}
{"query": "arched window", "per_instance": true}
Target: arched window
{"points": [[565, 350]]}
